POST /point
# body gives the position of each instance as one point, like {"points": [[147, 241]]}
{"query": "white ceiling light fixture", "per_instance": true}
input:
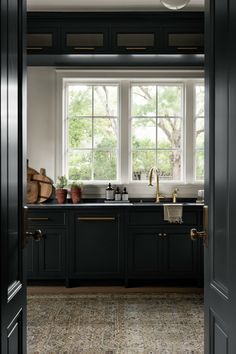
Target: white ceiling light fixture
{"points": [[175, 4]]}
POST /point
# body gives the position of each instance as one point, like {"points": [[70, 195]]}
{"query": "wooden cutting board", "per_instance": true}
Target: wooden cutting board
{"points": [[45, 185], [32, 192]]}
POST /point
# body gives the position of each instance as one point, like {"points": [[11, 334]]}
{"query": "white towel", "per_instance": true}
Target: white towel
{"points": [[173, 213]]}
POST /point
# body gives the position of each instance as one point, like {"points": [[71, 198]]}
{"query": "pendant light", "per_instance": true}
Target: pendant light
{"points": [[175, 4]]}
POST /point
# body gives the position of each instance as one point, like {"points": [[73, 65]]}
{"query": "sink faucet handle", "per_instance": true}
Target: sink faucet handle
{"points": [[174, 195]]}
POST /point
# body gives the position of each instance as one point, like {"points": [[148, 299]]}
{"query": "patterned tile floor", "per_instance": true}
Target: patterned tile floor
{"points": [[115, 324]]}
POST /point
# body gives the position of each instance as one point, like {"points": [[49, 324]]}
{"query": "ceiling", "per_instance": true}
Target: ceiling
{"points": [[105, 5]]}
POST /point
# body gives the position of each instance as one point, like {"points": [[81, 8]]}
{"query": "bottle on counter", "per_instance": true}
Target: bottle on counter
{"points": [[117, 194], [109, 192], [125, 195]]}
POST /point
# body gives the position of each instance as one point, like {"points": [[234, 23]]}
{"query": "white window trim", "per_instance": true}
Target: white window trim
{"points": [[188, 187]]}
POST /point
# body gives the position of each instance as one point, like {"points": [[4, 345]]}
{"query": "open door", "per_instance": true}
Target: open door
{"points": [[220, 179], [12, 108]]}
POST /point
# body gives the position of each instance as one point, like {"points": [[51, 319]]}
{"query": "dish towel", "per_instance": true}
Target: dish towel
{"points": [[173, 213]]}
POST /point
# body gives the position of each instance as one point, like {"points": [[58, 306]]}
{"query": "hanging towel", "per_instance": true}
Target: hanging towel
{"points": [[173, 213]]}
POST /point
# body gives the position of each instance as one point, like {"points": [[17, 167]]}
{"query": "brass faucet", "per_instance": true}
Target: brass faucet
{"points": [[174, 195], [153, 171]]}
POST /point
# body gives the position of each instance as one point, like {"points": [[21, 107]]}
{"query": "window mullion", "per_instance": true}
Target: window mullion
{"points": [[125, 132], [189, 133]]}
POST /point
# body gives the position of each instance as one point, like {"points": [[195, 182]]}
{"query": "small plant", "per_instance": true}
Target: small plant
{"points": [[62, 182], [75, 185], [76, 192]]}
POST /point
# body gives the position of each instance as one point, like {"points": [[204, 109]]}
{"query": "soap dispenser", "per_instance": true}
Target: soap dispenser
{"points": [[109, 192], [125, 195]]}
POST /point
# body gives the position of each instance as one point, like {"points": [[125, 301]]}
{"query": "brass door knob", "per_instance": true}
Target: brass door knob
{"points": [[199, 234], [37, 235]]}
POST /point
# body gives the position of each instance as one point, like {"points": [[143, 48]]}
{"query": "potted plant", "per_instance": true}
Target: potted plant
{"points": [[61, 190], [76, 192]]}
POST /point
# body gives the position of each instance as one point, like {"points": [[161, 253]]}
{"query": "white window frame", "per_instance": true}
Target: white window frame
{"points": [[124, 78], [91, 82]]}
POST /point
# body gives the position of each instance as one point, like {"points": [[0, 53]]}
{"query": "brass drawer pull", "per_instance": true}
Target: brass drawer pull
{"points": [[136, 48], [84, 48], [96, 218], [38, 219], [187, 48], [34, 48]]}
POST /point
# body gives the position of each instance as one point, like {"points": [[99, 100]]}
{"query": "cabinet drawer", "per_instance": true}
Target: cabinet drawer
{"points": [[151, 218], [47, 218]]}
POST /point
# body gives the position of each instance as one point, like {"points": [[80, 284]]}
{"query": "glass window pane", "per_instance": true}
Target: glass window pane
{"points": [[169, 101], [80, 133], [106, 101], [80, 165], [105, 165], [200, 100], [142, 161], [79, 100], [105, 133], [200, 133], [199, 166], [169, 133], [143, 100], [169, 164], [143, 133]]}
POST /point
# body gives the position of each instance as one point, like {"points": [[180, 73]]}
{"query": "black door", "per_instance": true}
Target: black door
{"points": [[220, 256], [12, 287]]}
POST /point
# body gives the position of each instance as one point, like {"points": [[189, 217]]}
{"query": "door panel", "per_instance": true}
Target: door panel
{"points": [[12, 276], [220, 177]]}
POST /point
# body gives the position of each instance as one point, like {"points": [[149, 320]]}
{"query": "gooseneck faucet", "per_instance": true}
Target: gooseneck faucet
{"points": [[153, 171]]}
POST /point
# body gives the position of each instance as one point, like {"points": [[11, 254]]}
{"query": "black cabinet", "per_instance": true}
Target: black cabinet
{"points": [[145, 257], [114, 243], [96, 246], [84, 39], [42, 38], [115, 33], [46, 259], [161, 251]]}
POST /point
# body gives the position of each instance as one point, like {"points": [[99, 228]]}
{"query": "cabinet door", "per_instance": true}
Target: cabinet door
{"points": [[182, 258], [144, 254], [42, 39], [98, 248], [32, 259], [134, 39], [85, 39], [184, 41], [52, 254]]}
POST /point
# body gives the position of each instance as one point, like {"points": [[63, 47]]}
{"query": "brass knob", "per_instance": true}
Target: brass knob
{"points": [[197, 234], [37, 235], [164, 235], [160, 234]]}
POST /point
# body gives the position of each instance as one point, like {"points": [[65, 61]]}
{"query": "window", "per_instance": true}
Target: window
{"points": [[199, 94], [157, 125], [92, 131], [115, 130]]}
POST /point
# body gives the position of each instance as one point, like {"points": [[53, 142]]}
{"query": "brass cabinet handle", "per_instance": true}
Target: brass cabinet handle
{"points": [[187, 48], [164, 235], [202, 234], [84, 48], [160, 234], [38, 219], [34, 48], [136, 48], [37, 235], [96, 218]]}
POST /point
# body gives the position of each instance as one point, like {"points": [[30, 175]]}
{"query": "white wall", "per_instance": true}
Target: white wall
{"points": [[42, 117]]}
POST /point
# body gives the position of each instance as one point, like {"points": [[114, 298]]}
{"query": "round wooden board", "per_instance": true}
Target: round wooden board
{"points": [[32, 192], [45, 191]]}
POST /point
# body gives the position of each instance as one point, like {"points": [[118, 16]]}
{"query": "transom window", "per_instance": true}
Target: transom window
{"points": [[115, 131]]}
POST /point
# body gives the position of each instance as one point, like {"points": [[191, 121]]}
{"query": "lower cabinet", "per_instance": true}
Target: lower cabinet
{"points": [[96, 246], [167, 254], [46, 258], [113, 243]]}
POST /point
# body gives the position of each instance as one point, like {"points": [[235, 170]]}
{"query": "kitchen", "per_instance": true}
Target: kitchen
{"points": [[132, 119]]}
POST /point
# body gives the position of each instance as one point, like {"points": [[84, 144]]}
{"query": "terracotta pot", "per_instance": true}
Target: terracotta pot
{"points": [[61, 195], [76, 194]]}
